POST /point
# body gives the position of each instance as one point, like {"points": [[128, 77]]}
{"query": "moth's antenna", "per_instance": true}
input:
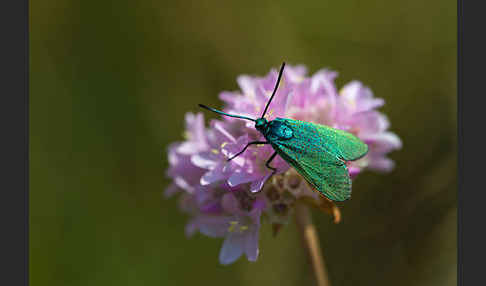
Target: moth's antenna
{"points": [[223, 113], [275, 89]]}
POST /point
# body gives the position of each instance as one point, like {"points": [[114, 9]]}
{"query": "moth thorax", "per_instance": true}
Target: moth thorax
{"points": [[261, 124]]}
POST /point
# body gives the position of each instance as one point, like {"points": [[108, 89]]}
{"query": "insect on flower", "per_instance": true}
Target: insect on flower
{"points": [[318, 152]]}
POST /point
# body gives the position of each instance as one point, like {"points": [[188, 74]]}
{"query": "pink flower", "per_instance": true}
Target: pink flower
{"points": [[184, 173], [242, 232], [225, 198], [231, 214]]}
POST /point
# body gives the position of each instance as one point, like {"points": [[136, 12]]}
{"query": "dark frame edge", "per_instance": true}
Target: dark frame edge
{"points": [[14, 205], [26, 143], [460, 162]]}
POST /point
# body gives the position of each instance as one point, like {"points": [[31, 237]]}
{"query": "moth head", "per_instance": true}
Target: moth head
{"points": [[261, 124]]}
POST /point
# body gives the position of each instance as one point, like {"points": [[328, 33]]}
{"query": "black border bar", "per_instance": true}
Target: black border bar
{"points": [[14, 118]]}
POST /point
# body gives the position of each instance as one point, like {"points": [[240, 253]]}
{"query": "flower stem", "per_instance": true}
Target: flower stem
{"points": [[311, 242]]}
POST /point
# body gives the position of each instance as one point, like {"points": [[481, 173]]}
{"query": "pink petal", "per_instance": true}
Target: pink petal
{"points": [[231, 149], [229, 97], [198, 129], [191, 228], [370, 123], [381, 164], [258, 206], [257, 185], [219, 126], [295, 73], [384, 142], [251, 245], [172, 153], [181, 183], [238, 178], [353, 171], [350, 91], [212, 176], [171, 190], [232, 248], [187, 148], [247, 84], [213, 226], [212, 207], [204, 160]]}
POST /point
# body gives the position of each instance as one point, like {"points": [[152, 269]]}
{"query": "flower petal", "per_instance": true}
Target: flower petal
{"points": [[230, 149], [198, 129], [211, 207], [232, 248], [171, 190], [257, 185], [183, 184], [381, 164], [238, 178], [295, 74], [369, 123], [220, 127], [186, 148], [204, 160], [384, 142], [212, 176], [191, 228], [251, 245], [213, 226], [247, 85], [353, 171]]}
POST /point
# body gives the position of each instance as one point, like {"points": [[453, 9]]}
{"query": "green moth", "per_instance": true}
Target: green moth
{"points": [[318, 152]]}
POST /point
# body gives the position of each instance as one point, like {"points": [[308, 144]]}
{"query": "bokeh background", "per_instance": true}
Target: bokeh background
{"points": [[110, 84]]}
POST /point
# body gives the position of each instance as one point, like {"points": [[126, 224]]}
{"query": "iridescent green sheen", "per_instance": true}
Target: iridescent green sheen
{"points": [[319, 153]]}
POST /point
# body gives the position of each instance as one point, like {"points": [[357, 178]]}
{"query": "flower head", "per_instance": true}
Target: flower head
{"points": [[229, 198]]}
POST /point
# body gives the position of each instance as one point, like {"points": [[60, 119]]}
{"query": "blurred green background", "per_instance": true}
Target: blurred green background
{"points": [[110, 84]]}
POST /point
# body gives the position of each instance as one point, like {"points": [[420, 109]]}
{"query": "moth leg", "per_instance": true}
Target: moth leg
{"points": [[267, 164], [251, 143]]}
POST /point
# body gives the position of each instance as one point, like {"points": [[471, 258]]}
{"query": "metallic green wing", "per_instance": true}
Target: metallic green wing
{"points": [[319, 153]]}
